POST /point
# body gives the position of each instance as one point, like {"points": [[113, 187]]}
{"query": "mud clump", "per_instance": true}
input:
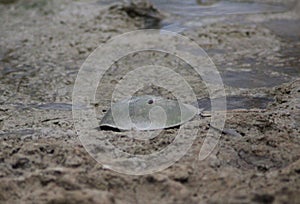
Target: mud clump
{"points": [[140, 9], [7, 1]]}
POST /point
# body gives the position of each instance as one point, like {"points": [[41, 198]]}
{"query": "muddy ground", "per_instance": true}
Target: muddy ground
{"points": [[44, 43]]}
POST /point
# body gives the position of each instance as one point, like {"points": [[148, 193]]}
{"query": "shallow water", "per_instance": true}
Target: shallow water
{"points": [[19, 133], [187, 15], [192, 8], [189, 12], [238, 102]]}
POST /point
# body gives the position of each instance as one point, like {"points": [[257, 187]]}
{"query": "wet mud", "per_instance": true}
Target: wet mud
{"points": [[42, 47]]}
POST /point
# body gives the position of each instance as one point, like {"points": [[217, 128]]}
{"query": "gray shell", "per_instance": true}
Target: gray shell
{"points": [[148, 113]]}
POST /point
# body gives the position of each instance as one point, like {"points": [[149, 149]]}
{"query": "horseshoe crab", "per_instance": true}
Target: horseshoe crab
{"points": [[148, 113]]}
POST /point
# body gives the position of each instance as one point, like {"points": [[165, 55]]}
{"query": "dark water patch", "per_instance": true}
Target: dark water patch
{"points": [[249, 72], [106, 2], [213, 51], [290, 57], [206, 2], [192, 13], [189, 11], [239, 102], [23, 132], [288, 69], [47, 106], [289, 30], [59, 106], [54, 106], [216, 8], [252, 79]]}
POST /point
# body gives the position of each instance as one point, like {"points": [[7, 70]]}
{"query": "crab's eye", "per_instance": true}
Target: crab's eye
{"points": [[150, 101]]}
